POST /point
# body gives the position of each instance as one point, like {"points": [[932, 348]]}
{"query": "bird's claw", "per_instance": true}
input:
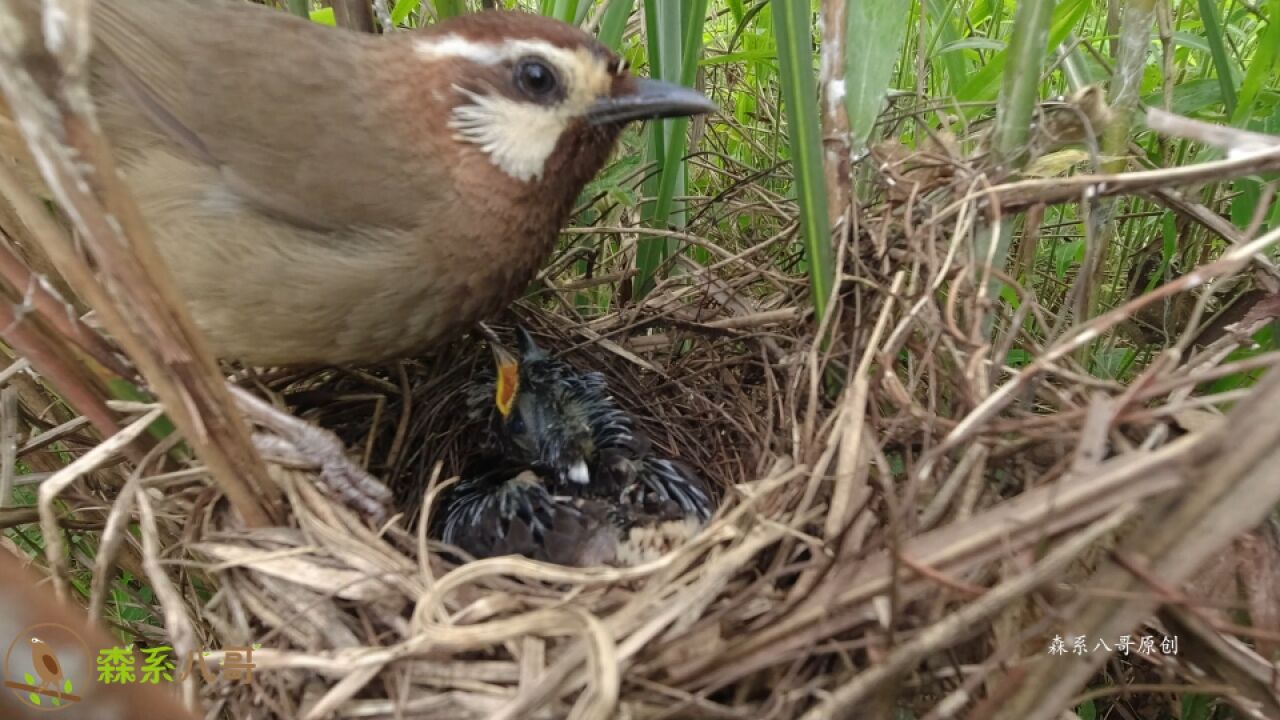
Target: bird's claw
{"points": [[294, 441]]}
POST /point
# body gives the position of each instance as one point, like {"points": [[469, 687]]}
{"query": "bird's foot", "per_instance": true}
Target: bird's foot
{"points": [[295, 442]]}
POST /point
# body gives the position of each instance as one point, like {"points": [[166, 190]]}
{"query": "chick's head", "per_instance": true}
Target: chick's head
{"points": [[541, 412]]}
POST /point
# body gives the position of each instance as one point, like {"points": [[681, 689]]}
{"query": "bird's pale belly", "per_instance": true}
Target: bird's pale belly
{"points": [[268, 292]]}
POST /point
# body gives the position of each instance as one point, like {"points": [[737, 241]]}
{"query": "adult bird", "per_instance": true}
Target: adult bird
{"points": [[563, 472], [323, 196]]}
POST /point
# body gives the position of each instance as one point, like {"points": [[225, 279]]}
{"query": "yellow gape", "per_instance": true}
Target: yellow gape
{"points": [[507, 386]]}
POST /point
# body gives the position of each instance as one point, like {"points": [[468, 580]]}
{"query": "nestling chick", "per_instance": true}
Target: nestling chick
{"points": [[565, 477], [540, 411], [509, 510], [323, 196]]}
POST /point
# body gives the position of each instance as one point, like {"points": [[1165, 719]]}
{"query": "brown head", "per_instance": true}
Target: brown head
{"points": [[541, 101]]}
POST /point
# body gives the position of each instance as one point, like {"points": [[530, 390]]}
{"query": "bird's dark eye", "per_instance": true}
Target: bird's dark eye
{"points": [[535, 78], [516, 426]]}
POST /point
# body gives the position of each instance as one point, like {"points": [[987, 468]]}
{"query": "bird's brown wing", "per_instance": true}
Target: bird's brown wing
{"points": [[225, 82]]}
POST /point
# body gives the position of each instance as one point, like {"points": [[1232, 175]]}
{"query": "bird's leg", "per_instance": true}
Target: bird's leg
{"points": [[297, 442]]}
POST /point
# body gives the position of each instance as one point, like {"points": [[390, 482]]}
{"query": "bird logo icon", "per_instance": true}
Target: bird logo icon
{"points": [[46, 664], [43, 664]]}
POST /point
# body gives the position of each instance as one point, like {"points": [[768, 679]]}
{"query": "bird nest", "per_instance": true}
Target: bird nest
{"points": [[920, 494], [336, 588]]}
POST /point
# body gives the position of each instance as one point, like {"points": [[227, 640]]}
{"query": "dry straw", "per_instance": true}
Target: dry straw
{"points": [[906, 519]]}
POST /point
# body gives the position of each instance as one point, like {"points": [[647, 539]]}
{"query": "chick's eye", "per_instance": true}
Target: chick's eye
{"points": [[516, 426], [535, 78]]}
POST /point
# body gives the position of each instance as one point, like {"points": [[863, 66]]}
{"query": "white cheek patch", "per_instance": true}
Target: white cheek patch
{"points": [[517, 136]]}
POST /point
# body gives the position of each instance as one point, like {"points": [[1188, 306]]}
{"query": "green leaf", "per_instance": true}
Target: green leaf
{"points": [[403, 9], [985, 83], [1218, 51], [941, 18], [1113, 362], [1017, 358], [614, 23], [1191, 40], [125, 390], [1010, 296], [1262, 66], [1189, 97], [324, 16], [1065, 255], [973, 43], [1019, 91], [737, 9], [565, 10], [676, 29], [740, 56], [875, 31], [450, 8], [792, 26], [1196, 706], [1263, 341]]}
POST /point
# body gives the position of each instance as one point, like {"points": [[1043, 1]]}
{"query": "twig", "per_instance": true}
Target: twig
{"points": [[1233, 140], [1016, 195], [964, 622], [1230, 488], [51, 488]]}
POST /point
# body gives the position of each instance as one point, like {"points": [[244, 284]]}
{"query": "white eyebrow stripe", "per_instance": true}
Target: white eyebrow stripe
{"points": [[484, 53]]}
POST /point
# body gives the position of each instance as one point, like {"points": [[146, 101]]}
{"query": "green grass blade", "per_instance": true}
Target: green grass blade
{"points": [[695, 20], [614, 23], [1261, 68], [324, 16], [1020, 90], [403, 9], [1019, 94], [651, 251], [737, 9], [985, 83], [450, 8], [869, 61], [792, 28], [301, 8], [940, 17], [668, 24], [1218, 52], [675, 139], [565, 10]]}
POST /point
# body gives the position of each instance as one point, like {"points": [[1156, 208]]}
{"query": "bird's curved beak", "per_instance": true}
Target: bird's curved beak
{"points": [[645, 99]]}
